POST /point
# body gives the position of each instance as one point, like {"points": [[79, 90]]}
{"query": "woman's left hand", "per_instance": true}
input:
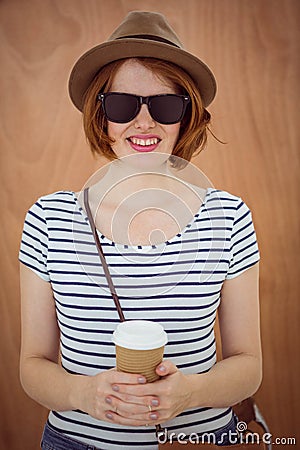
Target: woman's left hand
{"points": [[170, 396]]}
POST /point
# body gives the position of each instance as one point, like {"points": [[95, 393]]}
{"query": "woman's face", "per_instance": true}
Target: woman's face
{"points": [[142, 135]]}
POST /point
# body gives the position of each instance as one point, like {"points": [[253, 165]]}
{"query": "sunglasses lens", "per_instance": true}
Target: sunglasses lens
{"points": [[120, 108], [167, 109]]}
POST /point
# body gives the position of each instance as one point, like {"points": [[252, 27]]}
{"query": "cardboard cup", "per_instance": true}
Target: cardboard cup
{"points": [[139, 347]]}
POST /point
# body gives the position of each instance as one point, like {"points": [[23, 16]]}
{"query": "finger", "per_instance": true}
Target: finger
{"points": [[166, 368], [131, 410], [137, 390], [151, 418], [146, 401], [126, 378]]}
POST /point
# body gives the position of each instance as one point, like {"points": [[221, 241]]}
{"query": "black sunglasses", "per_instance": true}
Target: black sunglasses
{"points": [[165, 109]]}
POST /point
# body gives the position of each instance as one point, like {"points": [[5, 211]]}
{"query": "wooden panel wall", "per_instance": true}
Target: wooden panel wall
{"points": [[253, 47]]}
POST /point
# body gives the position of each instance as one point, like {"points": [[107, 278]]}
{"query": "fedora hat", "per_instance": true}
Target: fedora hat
{"points": [[141, 34]]}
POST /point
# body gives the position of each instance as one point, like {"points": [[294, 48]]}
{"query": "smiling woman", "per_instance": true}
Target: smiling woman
{"points": [[192, 116], [133, 135], [179, 255]]}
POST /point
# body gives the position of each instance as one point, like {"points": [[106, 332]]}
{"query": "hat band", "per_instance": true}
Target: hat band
{"points": [[150, 37]]}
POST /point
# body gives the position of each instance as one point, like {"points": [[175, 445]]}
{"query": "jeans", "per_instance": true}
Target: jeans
{"points": [[53, 440], [222, 435]]}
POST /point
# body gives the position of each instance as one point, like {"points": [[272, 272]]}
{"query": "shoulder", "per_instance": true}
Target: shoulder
{"points": [[62, 197], [59, 198], [223, 199], [232, 205], [55, 203]]}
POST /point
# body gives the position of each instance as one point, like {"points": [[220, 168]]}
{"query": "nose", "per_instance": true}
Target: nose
{"points": [[143, 120]]}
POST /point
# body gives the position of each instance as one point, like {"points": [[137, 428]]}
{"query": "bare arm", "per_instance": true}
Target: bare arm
{"points": [[43, 378], [239, 374]]}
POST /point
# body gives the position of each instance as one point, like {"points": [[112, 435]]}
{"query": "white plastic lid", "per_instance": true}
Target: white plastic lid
{"points": [[139, 335]]}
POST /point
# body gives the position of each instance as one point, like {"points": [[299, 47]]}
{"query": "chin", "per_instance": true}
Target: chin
{"points": [[145, 161]]}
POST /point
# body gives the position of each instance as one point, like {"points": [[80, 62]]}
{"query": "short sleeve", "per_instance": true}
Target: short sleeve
{"points": [[244, 249], [34, 243]]}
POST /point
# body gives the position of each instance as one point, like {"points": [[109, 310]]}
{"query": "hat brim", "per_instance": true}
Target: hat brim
{"points": [[91, 62]]}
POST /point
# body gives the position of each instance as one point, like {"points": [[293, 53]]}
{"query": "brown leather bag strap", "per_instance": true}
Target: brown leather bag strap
{"points": [[104, 263], [101, 255]]}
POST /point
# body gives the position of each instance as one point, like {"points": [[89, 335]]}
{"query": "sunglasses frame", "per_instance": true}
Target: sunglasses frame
{"points": [[143, 101]]}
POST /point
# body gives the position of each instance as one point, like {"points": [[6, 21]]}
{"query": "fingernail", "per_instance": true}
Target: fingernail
{"points": [[108, 415], [115, 388], [142, 380], [153, 416], [162, 368], [108, 400], [154, 402]]}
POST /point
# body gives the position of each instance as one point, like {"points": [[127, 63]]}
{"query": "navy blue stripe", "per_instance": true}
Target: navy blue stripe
{"points": [[60, 219], [85, 364], [244, 267], [147, 255], [244, 259], [31, 266], [210, 229], [154, 265], [41, 219], [88, 353], [199, 422], [209, 218], [104, 285], [240, 230], [100, 319], [64, 211], [74, 231], [107, 441], [247, 213], [110, 344], [59, 200], [185, 331], [149, 308], [35, 250], [152, 296], [140, 275], [29, 224], [220, 208], [253, 243], [244, 238], [84, 330], [196, 363], [188, 340], [23, 252], [187, 353], [87, 341], [25, 233]]}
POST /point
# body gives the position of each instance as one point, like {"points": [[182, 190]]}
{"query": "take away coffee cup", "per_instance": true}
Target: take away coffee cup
{"points": [[139, 347]]}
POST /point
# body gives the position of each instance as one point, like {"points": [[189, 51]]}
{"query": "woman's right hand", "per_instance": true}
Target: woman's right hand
{"points": [[96, 395]]}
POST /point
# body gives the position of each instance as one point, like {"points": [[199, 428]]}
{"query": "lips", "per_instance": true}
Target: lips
{"points": [[143, 143]]}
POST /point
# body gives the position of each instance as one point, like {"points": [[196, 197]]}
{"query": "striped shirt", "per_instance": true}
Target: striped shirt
{"points": [[176, 283]]}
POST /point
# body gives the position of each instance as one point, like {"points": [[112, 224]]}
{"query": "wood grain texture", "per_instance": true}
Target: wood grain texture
{"points": [[253, 48]]}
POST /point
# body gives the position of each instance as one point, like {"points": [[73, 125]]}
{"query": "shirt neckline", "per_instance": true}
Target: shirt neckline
{"points": [[106, 240]]}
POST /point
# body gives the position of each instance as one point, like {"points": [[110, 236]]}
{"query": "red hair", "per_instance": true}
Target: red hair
{"points": [[193, 129]]}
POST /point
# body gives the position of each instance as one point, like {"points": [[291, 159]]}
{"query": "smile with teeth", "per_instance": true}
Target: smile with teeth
{"points": [[144, 142]]}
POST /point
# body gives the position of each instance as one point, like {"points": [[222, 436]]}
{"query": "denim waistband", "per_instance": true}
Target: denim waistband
{"points": [[54, 440]]}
